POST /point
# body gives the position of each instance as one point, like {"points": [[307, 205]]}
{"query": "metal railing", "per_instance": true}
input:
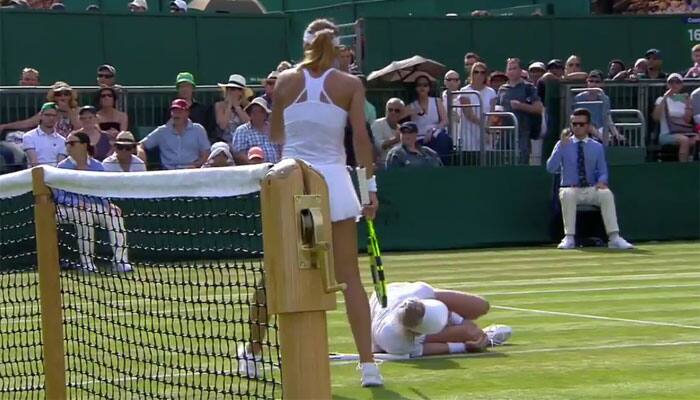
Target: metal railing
{"points": [[458, 129], [502, 142], [634, 130]]}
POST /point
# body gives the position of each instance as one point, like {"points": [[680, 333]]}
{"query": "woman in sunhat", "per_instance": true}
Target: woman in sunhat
{"points": [[229, 112]]}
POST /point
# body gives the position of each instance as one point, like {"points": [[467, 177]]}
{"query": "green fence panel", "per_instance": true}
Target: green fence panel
{"points": [[61, 46], [298, 21], [527, 38], [403, 8], [607, 40], [569, 8], [466, 7], [155, 58], [251, 47], [81, 5]]}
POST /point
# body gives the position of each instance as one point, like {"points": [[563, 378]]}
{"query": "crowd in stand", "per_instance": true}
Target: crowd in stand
{"points": [[135, 6], [412, 133]]}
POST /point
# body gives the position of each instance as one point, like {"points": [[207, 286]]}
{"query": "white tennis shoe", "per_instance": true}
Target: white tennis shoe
{"points": [[620, 243], [122, 266], [498, 334], [370, 375], [567, 243], [248, 363]]}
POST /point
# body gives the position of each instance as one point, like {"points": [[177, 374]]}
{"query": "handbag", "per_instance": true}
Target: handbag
{"points": [[676, 124]]}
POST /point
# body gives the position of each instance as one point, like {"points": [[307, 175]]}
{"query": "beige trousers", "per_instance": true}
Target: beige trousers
{"points": [[603, 198]]}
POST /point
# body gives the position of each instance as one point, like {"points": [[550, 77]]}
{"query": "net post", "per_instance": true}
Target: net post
{"points": [[299, 277], [49, 287]]}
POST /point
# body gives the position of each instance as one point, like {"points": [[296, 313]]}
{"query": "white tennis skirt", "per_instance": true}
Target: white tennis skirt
{"points": [[341, 192]]}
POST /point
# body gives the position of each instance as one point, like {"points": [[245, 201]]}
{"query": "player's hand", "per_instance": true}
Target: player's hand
{"points": [[478, 345], [369, 211], [601, 185]]}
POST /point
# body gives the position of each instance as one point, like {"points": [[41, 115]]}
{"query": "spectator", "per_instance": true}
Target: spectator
{"points": [[694, 71], [346, 59], [520, 98], [219, 156], [584, 180], [29, 77], [428, 112], [17, 4], [469, 60], [198, 112], [633, 74], [256, 132], [535, 71], [66, 100], [572, 69], [86, 212], [496, 79], [181, 142], [12, 158], [654, 65], [615, 67], [451, 82], [110, 119], [386, 130], [123, 159], [106, 75], [256, 155], [230, 112], [472, 117], [408, 153], [270, 87], [43, 144], [99, 140], [92, 8], [674, 113], [555, 70], [602, 125], [138, 6], [283, 65], [58, 7], [178, 7]]}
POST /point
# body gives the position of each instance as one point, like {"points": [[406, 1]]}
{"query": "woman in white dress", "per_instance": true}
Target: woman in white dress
{"points": [[471, 123], [313, 102]]}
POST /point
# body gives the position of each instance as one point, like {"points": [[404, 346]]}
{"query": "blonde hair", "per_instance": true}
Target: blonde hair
{"points": [[485, 74], [321, 53], [696, 48], [412, 313], [60, 84]]}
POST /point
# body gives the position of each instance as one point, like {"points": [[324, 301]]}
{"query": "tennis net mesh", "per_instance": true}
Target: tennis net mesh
{"points": [[162, 288]]}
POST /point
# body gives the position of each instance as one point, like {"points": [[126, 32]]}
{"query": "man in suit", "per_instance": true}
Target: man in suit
{"points": [[584, 179]]}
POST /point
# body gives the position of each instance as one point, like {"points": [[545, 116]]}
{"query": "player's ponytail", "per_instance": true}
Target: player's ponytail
{"points": [[320, 45]]}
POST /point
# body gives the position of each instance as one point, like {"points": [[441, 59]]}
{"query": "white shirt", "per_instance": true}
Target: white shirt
{"points": [[47, 146], [676, 110], [471, 132], [382, 132], [388, 334], [430, 119], [111, 164]]}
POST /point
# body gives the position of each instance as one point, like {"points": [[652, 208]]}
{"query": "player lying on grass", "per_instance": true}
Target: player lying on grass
{"points": [[420, 320]]}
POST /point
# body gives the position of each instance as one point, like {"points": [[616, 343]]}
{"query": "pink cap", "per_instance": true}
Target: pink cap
{"points": [[256, 152], [180, 104]]}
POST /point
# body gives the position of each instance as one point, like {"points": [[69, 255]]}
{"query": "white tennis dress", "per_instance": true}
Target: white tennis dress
{"points": [[315, 133]]}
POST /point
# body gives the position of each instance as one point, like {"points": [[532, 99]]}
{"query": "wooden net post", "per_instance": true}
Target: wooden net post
{"points": [[49, 288], [300, 280]]}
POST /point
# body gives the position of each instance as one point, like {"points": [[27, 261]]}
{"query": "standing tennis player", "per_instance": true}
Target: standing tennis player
{"points": [[312, 104]]}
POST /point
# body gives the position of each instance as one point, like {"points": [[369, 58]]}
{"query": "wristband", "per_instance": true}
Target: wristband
{"points": [[372, 184], [457, 347]]}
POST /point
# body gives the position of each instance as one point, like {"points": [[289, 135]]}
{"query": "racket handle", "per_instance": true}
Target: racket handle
{"points": [[362, 184]]}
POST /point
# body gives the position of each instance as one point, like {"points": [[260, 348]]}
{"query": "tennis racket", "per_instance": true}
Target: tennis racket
{"points": [[375, 255]]}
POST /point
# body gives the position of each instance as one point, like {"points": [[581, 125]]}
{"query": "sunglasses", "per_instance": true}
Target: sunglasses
{"points": [[452, 79], [106, 76], [579, 124], [70, 143], [478, 71], [574, 64], [128, 147], [63, 93], [394, 110]]}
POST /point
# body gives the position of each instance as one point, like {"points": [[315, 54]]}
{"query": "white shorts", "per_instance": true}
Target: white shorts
{"points": [[341, 192]]}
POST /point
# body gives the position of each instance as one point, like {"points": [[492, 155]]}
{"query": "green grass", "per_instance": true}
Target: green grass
{"points": [[554, 356], [588, 324]]}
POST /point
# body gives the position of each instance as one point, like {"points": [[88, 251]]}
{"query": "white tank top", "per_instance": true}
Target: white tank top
{"points": [[315, 127]]}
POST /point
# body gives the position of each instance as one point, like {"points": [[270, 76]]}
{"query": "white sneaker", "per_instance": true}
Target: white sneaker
{"points": [[620, 243], [498, 334], [370, 375], [248, 363], [122, 267], [567, 243], [88, 266]]}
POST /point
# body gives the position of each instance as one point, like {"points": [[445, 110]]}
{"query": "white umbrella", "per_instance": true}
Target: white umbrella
{"points": [[408, 70]]}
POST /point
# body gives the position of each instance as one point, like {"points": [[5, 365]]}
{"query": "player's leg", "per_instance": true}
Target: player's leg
{"points": [[110, 218], [469, 306], [569, 199], [83, 222], [258, 320], [347, 271]]}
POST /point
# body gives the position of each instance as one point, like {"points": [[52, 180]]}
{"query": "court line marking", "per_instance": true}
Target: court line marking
{"points": [[599, 317], [352, 358]]}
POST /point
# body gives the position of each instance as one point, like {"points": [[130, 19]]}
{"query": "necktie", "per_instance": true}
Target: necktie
{"points": [[581, 160]]}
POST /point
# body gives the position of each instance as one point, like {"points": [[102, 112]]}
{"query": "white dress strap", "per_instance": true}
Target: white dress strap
{"points": [[314, 87]]}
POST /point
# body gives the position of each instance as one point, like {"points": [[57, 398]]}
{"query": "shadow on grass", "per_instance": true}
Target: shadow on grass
{"points": [[635, 251], [379, 393]]}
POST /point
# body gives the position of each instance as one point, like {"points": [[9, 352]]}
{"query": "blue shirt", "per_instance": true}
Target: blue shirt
{"points": [[564, 160], [246, 136], [178, 150], [72, 199]]}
